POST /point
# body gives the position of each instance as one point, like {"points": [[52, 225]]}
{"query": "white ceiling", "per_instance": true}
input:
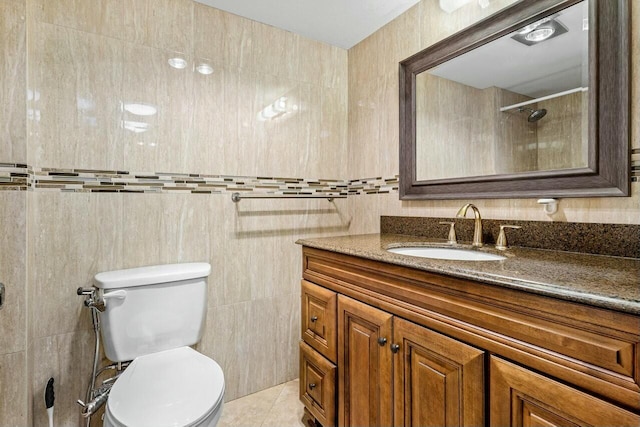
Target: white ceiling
{"points": [[342, 23]]}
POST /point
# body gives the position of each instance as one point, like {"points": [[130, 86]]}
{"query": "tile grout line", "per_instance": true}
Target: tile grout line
{"points": [[275, 401]]}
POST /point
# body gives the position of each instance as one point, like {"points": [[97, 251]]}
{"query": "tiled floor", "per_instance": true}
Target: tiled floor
{"points": [[277, 406]]}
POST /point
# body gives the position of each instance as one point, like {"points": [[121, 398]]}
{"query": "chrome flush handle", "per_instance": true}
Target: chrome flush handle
{"points": [[1, 295]]}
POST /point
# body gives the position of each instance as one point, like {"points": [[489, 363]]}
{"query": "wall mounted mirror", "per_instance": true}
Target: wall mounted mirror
{"points": [[532, 101]]}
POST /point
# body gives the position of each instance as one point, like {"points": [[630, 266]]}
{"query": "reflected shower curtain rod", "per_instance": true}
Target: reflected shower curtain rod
{"points": [[544, 98]]}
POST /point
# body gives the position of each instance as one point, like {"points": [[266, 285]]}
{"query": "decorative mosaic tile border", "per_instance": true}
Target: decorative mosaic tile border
{"points": [[20, 177], [14, 176], [376, 185], [23, 177], [82, 180]]}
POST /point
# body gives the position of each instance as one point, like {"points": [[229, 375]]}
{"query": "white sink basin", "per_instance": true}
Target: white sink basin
{"points": [[446, 253]]}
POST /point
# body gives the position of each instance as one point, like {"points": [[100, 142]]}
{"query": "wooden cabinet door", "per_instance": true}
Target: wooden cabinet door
{"points": [[364, 373], [438, 381], [522, 398]]}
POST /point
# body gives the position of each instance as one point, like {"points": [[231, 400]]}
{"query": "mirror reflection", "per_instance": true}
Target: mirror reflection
{"points": [[517, 104]]}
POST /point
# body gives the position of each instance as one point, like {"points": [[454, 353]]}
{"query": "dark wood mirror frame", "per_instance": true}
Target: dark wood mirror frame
{"points": [[607, 174]]}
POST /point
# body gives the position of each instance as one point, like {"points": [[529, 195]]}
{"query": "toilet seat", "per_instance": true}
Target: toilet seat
{"points": [[177, 388]]}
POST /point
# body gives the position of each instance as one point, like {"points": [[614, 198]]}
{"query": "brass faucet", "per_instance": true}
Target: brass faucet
{"points": [[477, 229]]}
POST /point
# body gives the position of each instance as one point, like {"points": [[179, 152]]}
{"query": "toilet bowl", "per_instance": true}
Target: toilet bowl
{"points": [[152, 315], [177, 388]]}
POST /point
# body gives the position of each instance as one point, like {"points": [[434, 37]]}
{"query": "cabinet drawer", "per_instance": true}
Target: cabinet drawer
{"points": [[319, 319], [318, 385]]}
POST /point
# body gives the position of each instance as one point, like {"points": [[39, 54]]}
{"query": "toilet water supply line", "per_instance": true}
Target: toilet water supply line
{"points": [[96, 397]]}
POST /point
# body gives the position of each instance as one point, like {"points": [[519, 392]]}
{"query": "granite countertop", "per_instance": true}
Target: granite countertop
{"points": [[598, 280]]}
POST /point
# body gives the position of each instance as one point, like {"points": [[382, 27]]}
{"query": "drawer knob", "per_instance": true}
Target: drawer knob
{"points": [[314, 318], [382, 341], [395, 348], [312, 386]]}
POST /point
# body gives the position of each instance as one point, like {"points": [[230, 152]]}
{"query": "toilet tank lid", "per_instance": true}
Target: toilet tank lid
{"points": [[153, 274]]}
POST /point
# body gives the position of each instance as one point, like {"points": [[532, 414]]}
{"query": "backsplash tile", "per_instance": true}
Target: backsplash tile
{"points": [[603, 239]]}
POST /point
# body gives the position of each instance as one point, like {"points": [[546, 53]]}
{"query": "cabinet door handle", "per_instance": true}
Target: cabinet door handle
{"points": [[314, 318], [395, 348], [312, 386], [382, 341]]}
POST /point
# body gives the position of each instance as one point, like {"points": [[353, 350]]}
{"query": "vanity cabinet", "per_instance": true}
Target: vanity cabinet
{"points": [[415, 348]]}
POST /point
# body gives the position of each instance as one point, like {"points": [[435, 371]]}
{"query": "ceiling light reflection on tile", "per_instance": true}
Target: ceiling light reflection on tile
{"points": [[204, 68], [178, 63], [135, 127], [140, 108], [450, 6]]}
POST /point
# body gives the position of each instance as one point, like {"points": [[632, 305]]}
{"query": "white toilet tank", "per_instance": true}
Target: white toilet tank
{"points": [[151, 309]]}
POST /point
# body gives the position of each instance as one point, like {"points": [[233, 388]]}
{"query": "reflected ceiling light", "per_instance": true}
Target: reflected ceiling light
{"points": [[204, 68], [135, 127], [544, 29], [533, 26], [140, 109], [539, 34], [178, 63]]}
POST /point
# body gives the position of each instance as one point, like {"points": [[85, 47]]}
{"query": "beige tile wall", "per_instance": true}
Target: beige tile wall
{"points": [[12, 80], [85, 61], [13, 318], [14, 372], [84, 65], [13, 83], [373, 124]]}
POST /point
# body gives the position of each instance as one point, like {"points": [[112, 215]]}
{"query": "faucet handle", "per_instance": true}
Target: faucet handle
{"points": [[452, 239], [501, 243]]}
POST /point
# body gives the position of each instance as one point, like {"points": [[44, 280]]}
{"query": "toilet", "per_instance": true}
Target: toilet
{"points": [[152, 315]]}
